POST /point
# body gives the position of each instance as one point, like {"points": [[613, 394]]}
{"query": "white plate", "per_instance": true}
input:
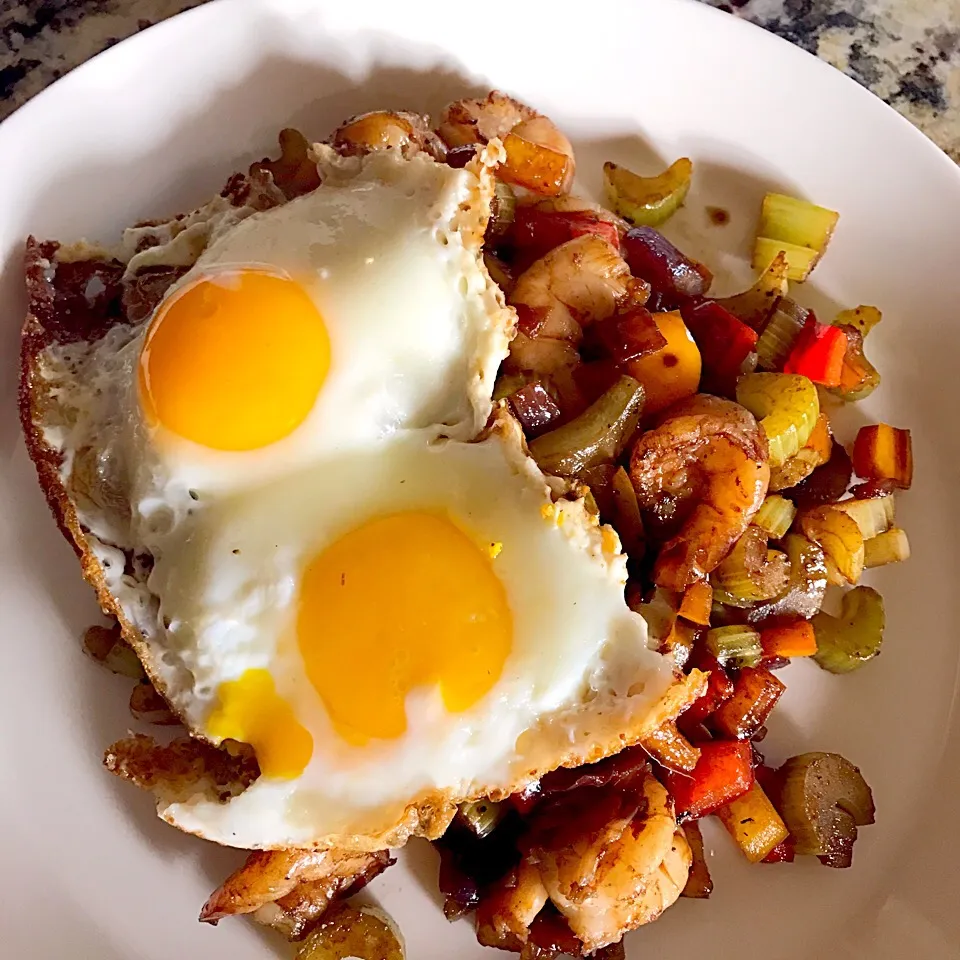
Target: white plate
{"points": [[155, 124]]}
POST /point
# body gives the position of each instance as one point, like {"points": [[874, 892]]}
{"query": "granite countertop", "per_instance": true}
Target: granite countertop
{"points": [[900, 49]]}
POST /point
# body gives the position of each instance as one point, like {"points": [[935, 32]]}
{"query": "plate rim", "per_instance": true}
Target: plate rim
{"points": [[40, 100]]}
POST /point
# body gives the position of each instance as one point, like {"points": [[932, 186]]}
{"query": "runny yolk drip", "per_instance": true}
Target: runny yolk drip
{"points": [[404, 601], [250, 709], [234, 361]]}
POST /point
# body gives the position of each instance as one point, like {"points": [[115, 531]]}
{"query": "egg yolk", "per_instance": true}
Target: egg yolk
{"points": [[405, 601], [234, 361], [251, 710]]}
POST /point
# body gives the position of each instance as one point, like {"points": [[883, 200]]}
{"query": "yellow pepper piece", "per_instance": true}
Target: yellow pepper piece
{"points": [[672, 373]]}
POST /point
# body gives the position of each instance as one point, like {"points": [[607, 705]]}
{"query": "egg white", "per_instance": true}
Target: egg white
{"points": [[574, 638], [204, 550]]}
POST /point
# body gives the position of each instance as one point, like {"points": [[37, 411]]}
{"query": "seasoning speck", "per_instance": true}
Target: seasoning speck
{"points": [[718, 216]]}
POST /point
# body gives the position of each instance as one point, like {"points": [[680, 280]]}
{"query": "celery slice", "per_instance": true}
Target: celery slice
{"points": [[647, 201], [800, 260], [787, 406], [800, 229], [797, 222], [841, 539], [775, 516], [823, 800], [735, 646], [780, 334], [847, 642], [873, 516], [751, 572], [891, 546], [863, 318], [482, 816]]}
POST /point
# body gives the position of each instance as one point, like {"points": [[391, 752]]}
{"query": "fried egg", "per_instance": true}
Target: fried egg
{"points": [[280, 475]]}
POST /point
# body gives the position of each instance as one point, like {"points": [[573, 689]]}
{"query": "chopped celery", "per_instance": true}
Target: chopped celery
{"points": [[775, 516], [598, 435], [647, 201], [756, 305], [797, 221], [823, 800], [750, 571], [753, 823], [735, 646], [787, 406], [847, 642], [482, 816], [889, 547], [808, 582], [840, 537], [858, 376], [801, 229], [873, 517], [625, 516], [863, 318], [800, 260], [780, 334]]}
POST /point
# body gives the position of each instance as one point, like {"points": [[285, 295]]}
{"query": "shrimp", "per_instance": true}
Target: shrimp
{"points": [[539, 156], [284, 877], [385, 129], [704, 465], [581, 281], [550, 361], [625, 875], [465, 122], [294, 914], [575, 284], [510, 906]]}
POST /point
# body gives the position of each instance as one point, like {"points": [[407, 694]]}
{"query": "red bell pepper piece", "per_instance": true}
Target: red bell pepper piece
{"points": [[725, 341], [536, 232], [818, 354], [723, 773]]}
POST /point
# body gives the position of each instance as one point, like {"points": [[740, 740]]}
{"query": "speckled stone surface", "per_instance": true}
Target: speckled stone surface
{"points": [[906, 51]]}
